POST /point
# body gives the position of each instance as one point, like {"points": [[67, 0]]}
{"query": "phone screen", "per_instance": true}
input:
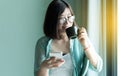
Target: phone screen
{"points": [[56, 54]]}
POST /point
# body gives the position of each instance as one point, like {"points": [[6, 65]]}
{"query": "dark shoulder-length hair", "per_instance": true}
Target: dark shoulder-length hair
{"points": [[54, 10]]}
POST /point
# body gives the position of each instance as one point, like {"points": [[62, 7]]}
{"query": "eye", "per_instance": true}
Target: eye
{"points": [[62, 20], [71, 18]]}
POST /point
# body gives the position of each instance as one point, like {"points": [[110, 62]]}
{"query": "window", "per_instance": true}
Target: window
{"points": [[118, 50], [101, 15]]}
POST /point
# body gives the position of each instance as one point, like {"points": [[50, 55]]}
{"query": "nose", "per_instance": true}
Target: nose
{"points": [[67, 21], [67, 24]]}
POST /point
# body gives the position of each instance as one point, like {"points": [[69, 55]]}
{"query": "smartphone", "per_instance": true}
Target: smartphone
{"points": [[56, 54]]}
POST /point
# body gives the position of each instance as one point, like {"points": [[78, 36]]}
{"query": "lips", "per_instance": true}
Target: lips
{"points": [[65, 27]]}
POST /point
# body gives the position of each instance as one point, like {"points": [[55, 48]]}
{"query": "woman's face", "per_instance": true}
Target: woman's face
{"points": [[65, 20]]}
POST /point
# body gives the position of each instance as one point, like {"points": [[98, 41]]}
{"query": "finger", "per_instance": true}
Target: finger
{"points": [[60, 60], [50, 60], [82, 34], [81, 30], [82, 37], [57, 63]]}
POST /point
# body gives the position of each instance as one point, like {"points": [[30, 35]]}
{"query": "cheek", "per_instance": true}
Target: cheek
{"points": [[60, 27], [69, 25], [65, 26]]}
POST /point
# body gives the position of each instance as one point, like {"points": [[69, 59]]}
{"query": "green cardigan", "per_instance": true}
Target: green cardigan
{"points": [[80, 61]]}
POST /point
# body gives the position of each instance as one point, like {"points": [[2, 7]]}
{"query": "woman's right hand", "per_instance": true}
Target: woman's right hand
{"points": [[52, 62]]}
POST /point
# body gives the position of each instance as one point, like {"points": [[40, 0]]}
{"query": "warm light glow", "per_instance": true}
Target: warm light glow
{"points": [[118, 50], [118, 39]]}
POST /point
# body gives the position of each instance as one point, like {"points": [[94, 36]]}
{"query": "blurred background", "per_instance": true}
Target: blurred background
{"points": [[21, 23]]}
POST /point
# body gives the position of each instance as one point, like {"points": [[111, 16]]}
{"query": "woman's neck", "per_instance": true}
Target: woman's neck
{"points": [[61, 45], [62, 39]]}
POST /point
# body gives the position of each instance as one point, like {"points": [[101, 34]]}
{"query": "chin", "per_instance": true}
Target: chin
{"points": [[66, 28]]}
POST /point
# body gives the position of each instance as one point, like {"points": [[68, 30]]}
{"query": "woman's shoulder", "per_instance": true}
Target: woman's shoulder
{"points": [[43, 40]]}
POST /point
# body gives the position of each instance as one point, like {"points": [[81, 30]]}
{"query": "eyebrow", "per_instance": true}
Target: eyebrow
{"points": [[67, 14], [64, 15]]}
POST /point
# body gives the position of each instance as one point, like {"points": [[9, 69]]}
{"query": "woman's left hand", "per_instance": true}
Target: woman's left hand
{"points": [[83, 37]]}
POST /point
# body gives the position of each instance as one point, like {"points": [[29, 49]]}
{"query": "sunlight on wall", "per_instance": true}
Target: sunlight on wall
{"points": [[104, 34], [111, 37], [118, 50]]}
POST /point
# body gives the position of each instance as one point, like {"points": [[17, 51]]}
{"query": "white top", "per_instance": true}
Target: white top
{"points": [[66, 69]]}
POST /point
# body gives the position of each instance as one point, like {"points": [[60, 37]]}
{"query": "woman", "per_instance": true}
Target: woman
{"points": [[59, 17]]}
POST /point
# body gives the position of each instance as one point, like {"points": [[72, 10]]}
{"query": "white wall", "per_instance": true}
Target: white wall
{"points": [[94, 17], [21, 24]]}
